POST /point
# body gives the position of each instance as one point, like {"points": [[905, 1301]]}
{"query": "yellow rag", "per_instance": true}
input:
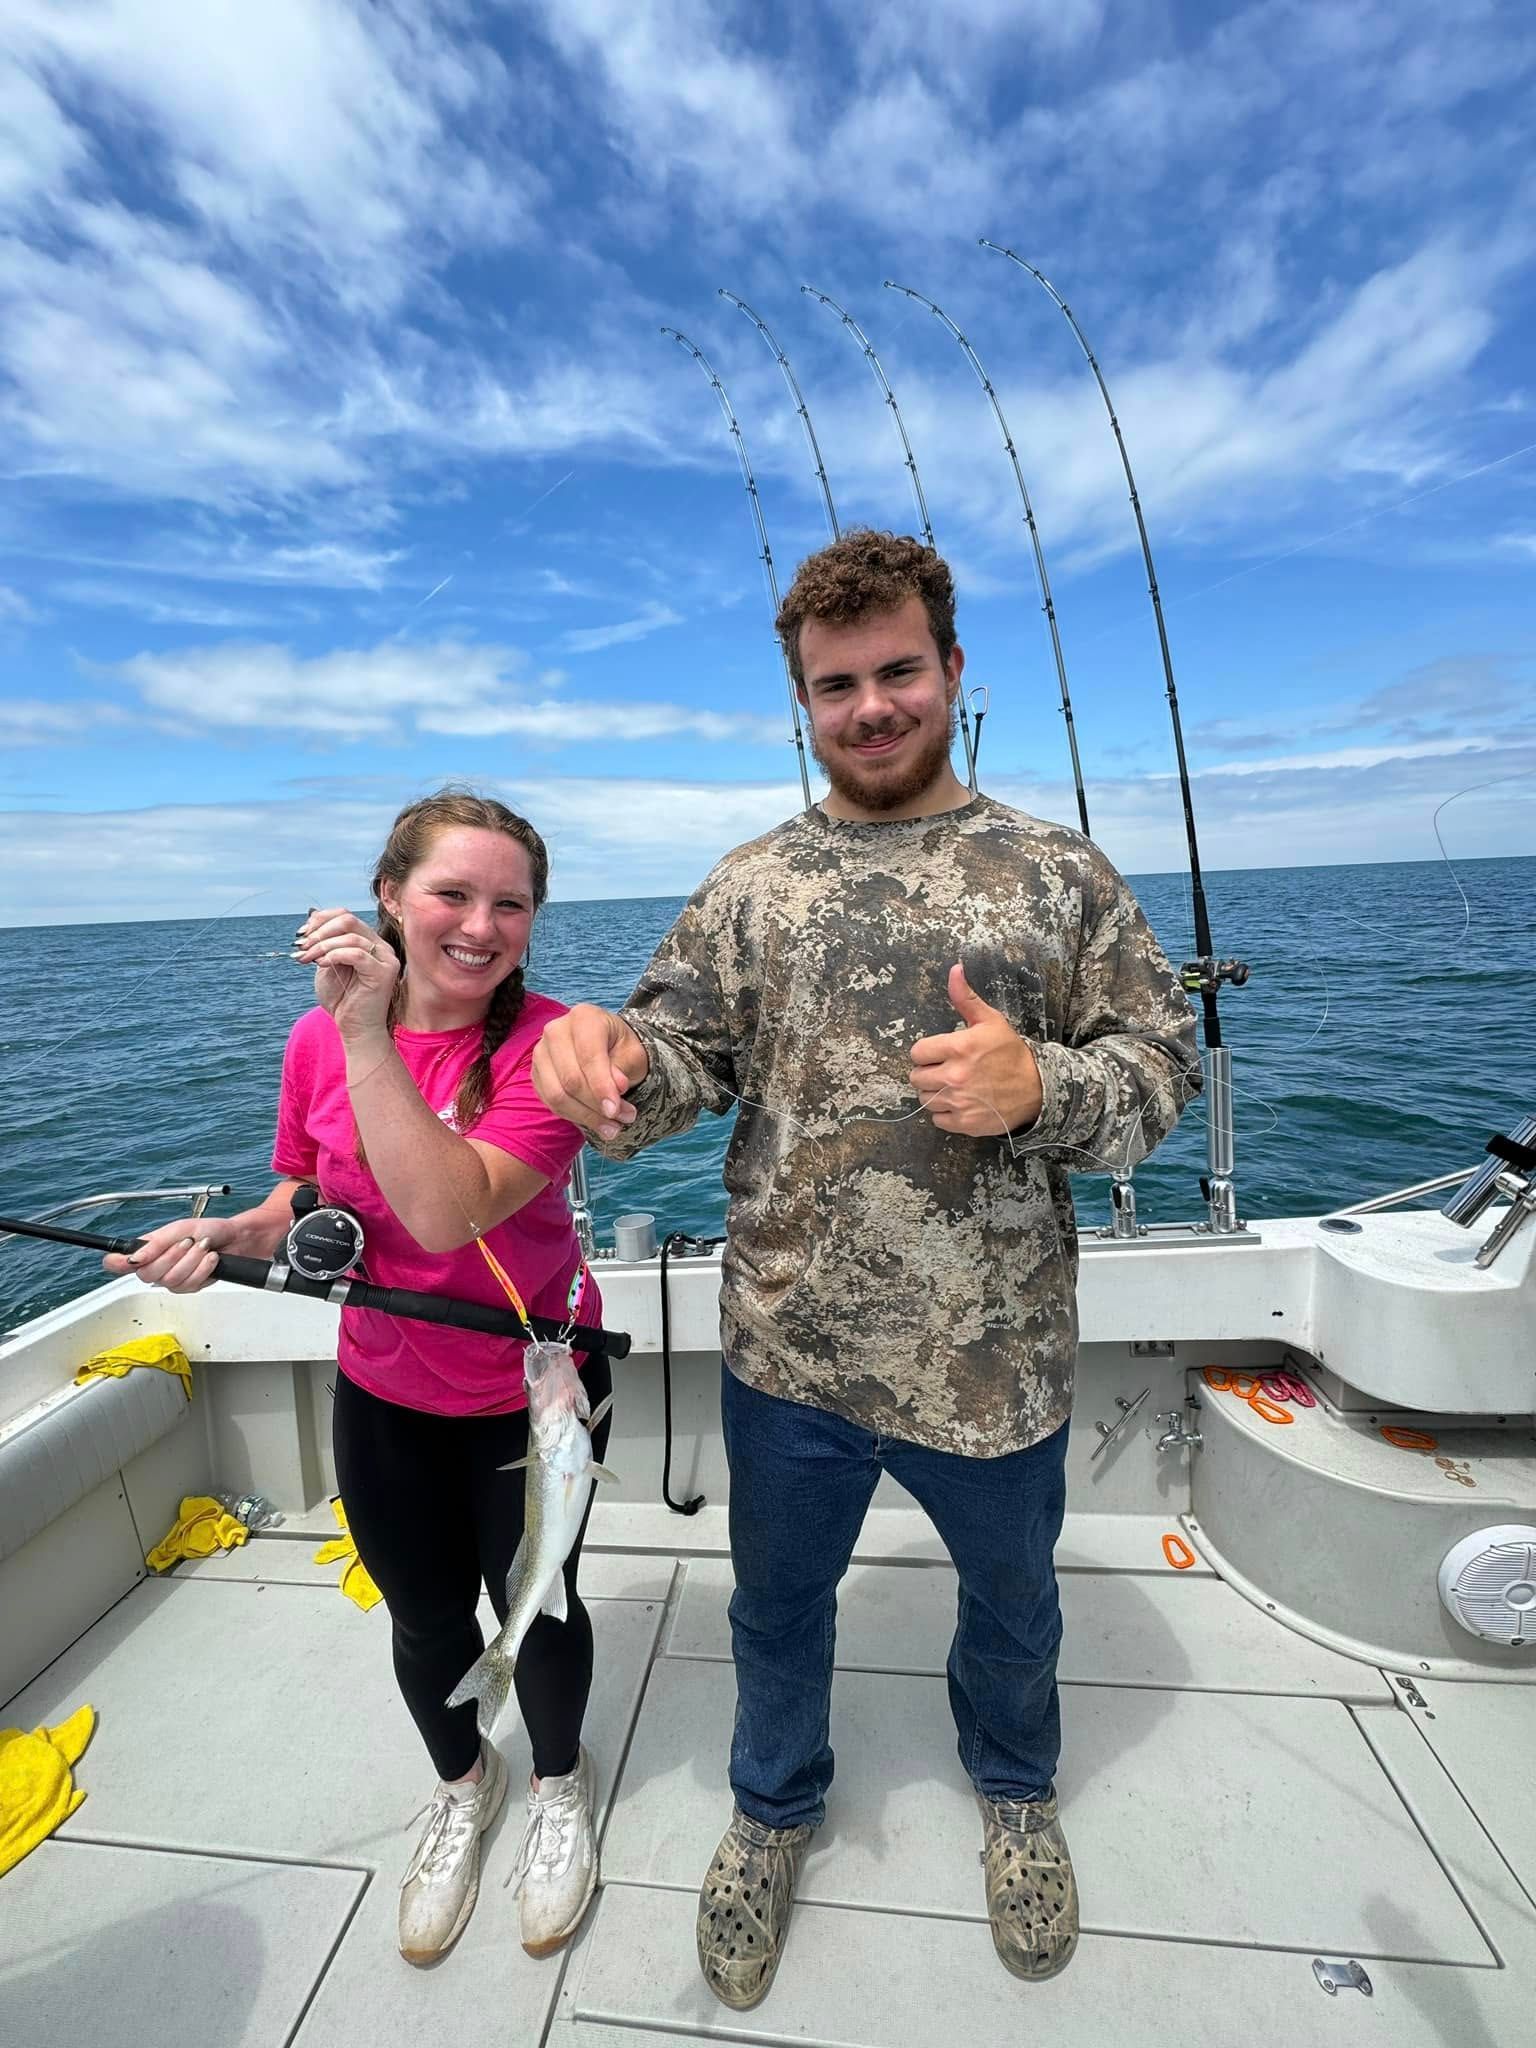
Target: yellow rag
{"points": [[163, 1351], [355, 1582], [203, 1527], [37, 1786]]}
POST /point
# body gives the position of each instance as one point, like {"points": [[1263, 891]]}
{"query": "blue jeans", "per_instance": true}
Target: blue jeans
{"points": [[801, 1481]]}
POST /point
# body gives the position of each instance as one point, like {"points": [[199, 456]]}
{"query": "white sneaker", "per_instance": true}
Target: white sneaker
{"points": [[438, 1891], [556, 1870]]}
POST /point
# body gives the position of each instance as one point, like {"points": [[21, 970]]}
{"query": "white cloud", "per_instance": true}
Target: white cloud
{"points": [[176, 375], [1343, 757], [589, 639], [344, 136], [146, 604], [39, 147], [308, 170], [686, 100], [13, 605], [556, 585], [29, 721], [606, 838], [1218, 446], [613, 837], [276, 327], [384, 692], [573, 722]]}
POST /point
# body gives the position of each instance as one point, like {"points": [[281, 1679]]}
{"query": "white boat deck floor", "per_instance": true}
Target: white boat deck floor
{"points": [[1239, 1801]]}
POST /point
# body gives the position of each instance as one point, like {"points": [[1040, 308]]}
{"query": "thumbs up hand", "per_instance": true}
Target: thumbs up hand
{"points": [[981, 1080]]}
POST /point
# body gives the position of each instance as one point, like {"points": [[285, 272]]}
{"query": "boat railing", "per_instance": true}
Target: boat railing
{"points": [[199, 1198], [1508, 1171]]}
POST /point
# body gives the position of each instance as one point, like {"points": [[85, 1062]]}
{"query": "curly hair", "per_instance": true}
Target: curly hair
{"points": [[863, 573]]}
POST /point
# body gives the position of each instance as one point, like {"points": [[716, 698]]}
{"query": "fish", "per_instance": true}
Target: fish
{"points": [[561, 1474]]}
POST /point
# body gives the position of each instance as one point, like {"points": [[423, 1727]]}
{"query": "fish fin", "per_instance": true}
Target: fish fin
{"points": [[516, 1465], [554, 1603], [487, 1682], [599, 1411], [514, 1569], [602, 1472]]}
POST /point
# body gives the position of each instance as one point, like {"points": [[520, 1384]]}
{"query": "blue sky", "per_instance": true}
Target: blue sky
{"points": [[343, 453]]}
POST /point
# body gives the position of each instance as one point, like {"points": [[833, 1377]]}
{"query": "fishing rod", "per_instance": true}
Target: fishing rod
{"points": [[910, 461], [325, 1283], [801, 407], [1047, 602], [1206, 974], [764, 551]]}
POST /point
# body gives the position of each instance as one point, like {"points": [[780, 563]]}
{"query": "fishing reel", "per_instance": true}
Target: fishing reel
{"points": [[1205, 976], [325, 1241]]}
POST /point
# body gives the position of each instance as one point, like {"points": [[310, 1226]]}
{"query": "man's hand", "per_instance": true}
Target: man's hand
{"points": [[585, 1064], [981, 1081]]}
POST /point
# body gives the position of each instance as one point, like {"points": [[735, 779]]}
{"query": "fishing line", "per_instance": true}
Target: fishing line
{"points": [[1395, 932], [1318, 540], [95, 1022], [1382, 512]]}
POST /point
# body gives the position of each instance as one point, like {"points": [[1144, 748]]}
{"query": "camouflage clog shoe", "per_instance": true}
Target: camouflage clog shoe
{"points": [[1031, 1888], [744, 1906]]}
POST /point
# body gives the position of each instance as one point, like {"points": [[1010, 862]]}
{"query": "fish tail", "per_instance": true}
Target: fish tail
{"points": [[487, 1681]]}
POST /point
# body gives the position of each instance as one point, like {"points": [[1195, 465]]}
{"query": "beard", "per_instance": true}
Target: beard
{"points": [[877, 790]]}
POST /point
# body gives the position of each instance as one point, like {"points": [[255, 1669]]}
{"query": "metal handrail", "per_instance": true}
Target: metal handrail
{"points": [[1423, 1187], [199, 1197]]}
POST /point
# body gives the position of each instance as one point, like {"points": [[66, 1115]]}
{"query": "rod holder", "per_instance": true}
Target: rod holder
{"points": [[1469, 1202], [581, 1212], [1122, 1206], [1220, 1153]]}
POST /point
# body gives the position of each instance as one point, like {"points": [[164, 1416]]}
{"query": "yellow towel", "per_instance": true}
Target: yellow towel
{"points": [[37, 1786], [355, 1582], [203, 1527], [163, 1351]]}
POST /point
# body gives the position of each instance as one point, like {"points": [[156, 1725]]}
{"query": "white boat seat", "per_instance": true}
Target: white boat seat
{"points": [[56, 1453]]}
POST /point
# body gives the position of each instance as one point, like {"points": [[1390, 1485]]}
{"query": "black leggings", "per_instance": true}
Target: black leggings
{"points": [[433, 1518]]}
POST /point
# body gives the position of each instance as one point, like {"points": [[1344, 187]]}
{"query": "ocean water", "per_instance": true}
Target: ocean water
{"points": [[1386, 1031]]}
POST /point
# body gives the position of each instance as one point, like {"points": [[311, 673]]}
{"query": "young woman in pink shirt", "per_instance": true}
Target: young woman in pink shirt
{"points": [[406, 1097]]}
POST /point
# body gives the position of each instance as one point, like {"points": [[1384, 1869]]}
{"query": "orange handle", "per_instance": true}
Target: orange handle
{"points": [[1244, 1384], [1410, 1439], [1172, 1543], [1271, 1411]]}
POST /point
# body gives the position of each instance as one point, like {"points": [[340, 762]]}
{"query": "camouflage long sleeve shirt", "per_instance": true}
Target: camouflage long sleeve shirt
{"points": [[919, 1283]]}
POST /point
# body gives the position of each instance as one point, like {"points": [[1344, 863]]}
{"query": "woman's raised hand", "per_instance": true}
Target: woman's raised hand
{"points": [[355, 970]]}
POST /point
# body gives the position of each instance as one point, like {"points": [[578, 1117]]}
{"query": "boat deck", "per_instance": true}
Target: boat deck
{"points": [[1239, 1801]]}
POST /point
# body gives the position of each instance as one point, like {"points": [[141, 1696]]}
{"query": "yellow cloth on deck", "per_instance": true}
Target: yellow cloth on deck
{"points": [[37, 1785], [203, 1527], [355, 1582], [163, 1351]]}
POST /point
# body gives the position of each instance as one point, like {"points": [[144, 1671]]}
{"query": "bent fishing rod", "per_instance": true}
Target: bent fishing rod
{"points": [[910, 462], [323, 1249], [1205, 975], [764, 551], [1046, 601], [804, 411]]}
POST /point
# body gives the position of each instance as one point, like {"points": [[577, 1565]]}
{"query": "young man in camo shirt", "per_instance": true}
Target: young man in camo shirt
{"points": [[935, 1008]]}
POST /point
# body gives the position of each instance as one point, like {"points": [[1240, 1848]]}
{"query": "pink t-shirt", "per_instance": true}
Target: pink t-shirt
{"points": [[424, 1365]]}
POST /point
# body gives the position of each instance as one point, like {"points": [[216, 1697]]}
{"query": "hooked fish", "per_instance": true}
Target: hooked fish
{"points": [[561, 1472]]}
